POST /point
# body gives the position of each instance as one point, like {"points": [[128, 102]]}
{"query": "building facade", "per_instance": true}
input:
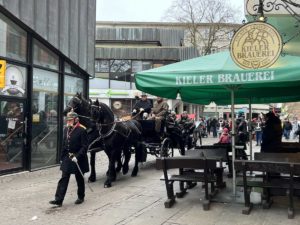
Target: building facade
{"points": [[124, 48], [46, 56]]}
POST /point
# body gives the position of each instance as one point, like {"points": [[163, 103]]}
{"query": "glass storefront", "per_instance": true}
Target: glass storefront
{"points": [[32, 144], [12, 128], [44, 118]]}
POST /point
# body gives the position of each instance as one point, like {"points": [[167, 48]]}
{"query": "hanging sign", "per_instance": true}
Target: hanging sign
{"points": [[2, 73], [256, 45]]}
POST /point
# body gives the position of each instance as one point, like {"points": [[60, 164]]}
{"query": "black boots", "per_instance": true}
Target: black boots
{"points": [[56, 202], [79, 201]]}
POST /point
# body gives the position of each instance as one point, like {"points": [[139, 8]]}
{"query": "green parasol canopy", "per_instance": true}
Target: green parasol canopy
{"points": [[209, 78]]}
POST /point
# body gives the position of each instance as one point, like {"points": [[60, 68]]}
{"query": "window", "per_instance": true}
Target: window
{"points": [[13, 40], [138, 66], [120, 74], [72, 86], [15, 81], [101, 66], [44, 118], [42, 56]]}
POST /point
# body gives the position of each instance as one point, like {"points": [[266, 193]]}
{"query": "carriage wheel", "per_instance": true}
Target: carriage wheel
{"points": [[166, 149]]}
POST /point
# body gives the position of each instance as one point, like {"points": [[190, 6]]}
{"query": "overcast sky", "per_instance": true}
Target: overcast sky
{"points": [[142, 10]]}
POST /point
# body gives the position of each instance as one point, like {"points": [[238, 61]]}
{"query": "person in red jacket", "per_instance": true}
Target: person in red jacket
{"points": [[225, 137]]}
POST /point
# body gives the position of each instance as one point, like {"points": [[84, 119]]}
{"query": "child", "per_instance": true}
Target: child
{"points": [[225, 137]]}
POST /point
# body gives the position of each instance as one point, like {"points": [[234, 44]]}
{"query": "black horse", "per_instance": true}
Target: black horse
{"points": [[90, 117], [117, 137]]}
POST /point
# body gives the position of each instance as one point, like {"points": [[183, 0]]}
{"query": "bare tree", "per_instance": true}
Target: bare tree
{"points": [[194, 14]]}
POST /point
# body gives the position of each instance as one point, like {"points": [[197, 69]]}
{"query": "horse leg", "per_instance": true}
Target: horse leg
{"points": [[138, 158], [119, 164], [92, 177], [111, 171], [127, 155]]}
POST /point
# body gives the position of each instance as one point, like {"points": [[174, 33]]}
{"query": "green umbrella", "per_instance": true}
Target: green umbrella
{"points": [[209, 78], [216, 78]]}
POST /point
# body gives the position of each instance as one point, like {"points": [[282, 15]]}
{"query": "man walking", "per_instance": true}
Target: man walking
{"points": [[74, 152]]}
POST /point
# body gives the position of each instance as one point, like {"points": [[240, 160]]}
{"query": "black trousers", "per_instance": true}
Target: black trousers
{"points": [[63, 183]]}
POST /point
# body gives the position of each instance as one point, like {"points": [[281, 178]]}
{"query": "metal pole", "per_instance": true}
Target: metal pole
{"points": [[233, 141], [83, 176], [250, 128]]}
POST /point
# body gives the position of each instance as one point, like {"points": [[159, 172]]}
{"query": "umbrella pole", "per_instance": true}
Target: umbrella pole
{"points": [[233, 143], [250, 128]]}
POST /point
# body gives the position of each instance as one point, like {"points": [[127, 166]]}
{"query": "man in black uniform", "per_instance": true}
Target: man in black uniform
{"points": [[74, 151], [142, 106]]}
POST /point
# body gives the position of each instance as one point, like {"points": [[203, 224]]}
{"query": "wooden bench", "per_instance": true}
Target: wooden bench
{"points": [[240, 153], [190, 163], [287, 184], [219, 154]]}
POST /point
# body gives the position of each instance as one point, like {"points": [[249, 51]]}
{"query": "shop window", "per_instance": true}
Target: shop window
{"points": [[44, 118], [13, 40], [14, 81], [42, 56], [119, 66], [121, 107]]}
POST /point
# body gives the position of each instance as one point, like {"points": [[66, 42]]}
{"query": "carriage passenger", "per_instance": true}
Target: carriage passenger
{"points": [[159, 112], [142, 106]]}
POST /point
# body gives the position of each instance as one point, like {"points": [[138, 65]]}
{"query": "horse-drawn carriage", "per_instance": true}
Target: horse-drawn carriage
{"points": [[171, 136]]}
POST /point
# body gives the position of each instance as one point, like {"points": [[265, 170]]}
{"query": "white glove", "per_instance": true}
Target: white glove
{"points": [[141, 109], [134, 111], [74, 159]]}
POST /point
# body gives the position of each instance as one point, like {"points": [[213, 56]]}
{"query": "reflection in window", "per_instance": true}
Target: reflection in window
{"points": [[42, 56], [13, 40], [44, 118], [11, 134], [72, 86], [15, 81], [118, 66]]}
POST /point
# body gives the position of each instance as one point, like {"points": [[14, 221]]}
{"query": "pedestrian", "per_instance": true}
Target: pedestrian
{"points": [[225, 137], [74, 155], [287, 128], [258, 131], [272, 133]]}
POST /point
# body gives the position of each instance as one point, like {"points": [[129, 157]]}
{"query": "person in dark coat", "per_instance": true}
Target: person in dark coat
{"points": [[142, 106], [272, 133], [74, 151]]}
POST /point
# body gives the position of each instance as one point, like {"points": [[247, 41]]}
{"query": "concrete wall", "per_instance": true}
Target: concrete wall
{"points": [[69, 25]]}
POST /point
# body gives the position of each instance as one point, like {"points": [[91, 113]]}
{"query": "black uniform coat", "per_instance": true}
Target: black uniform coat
{"points": [[76, 142]]}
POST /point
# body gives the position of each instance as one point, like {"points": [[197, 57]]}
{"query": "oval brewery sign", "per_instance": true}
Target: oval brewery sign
{"points": [[256, 45]]}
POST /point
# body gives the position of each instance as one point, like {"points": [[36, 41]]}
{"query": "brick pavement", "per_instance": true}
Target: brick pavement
{"points": [[131, 201]]}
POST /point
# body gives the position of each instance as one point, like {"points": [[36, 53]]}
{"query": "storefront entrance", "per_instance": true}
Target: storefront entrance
{"points": [[12, 134]]}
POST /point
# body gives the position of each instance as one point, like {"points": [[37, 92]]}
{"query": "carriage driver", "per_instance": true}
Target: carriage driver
{"points": [[74, 154], [143, 106], [159, 112]]}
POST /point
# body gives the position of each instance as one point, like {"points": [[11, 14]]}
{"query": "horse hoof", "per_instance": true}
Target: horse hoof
{"points": [[118, 169], [91, 179], [134, 172], [125, 169], [107, 185]]}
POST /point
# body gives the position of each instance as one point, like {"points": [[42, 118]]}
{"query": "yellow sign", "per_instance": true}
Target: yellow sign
{"points": [[256, 45], [2, 73]]}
